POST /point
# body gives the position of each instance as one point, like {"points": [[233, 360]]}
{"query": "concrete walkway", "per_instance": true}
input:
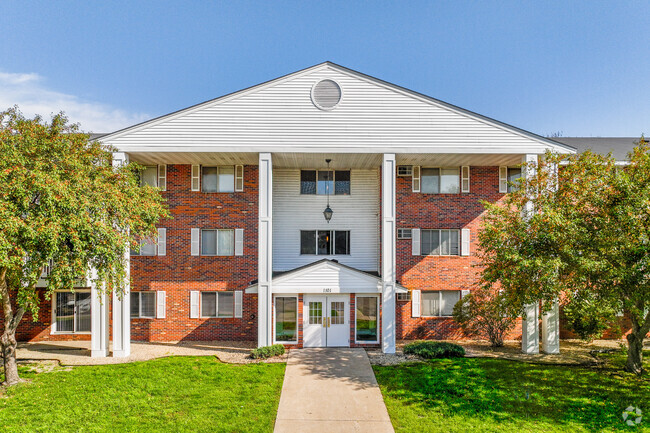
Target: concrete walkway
{"points": [[331, 390]]}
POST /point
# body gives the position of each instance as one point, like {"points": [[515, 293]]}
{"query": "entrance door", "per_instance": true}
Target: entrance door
{"points": [[326, 321]]}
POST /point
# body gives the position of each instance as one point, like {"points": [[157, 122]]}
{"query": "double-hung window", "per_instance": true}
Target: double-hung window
{"points": [[325, 242], [334, 182], [155, 176], [218, 179], [217, 304], [439, 242], [217, 242], [143, 305], [444, 180], [439, 303]]}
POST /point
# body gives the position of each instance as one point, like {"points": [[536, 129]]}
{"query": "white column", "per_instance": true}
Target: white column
{"points": [[388, 266], [551, 330], [98, 319], [122, 302], [265, 249], [529, 330]]}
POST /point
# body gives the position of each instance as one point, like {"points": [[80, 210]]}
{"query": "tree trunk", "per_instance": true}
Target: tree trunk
{"points": [[8, 341], [634, 362]]}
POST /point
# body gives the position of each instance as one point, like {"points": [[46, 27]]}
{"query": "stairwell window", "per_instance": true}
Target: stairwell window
{"points": [[439, 242], [218, 179], [325, 242], [319, 181], [442, 180]]}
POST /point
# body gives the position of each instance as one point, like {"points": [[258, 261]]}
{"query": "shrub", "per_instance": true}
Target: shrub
{"points": [[487, 314], [588, 317], [434, 349], [267, 351]]}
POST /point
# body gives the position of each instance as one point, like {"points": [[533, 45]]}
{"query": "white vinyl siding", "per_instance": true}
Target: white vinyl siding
{"points": [[356, 213]]}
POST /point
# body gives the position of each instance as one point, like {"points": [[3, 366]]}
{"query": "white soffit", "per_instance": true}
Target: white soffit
{"points": [[372, 117]]}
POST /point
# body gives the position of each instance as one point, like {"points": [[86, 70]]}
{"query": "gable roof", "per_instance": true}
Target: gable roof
{"points": [[312, 275], [377, 120], [618, 146]]}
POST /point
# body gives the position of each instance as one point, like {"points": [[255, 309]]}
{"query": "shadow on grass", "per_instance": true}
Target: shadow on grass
{"points": [[515, 393]]}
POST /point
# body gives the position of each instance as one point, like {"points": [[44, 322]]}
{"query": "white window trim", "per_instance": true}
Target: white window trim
{"points": [[275, 315], [439, 237], [333, 191], [234, 179], [216, 304], [460, 295], [53, 330], [333, 242], [356, 340], [460, 180], [217, 244], [155, 304]]}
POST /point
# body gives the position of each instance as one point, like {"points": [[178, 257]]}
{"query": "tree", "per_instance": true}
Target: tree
{"points": [[62, 202], [485, 312], [578, 232]]}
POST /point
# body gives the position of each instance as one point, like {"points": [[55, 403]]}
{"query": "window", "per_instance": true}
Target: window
{"points": [[439, 303], [147, 248], [325, 242], [218, 179], [217, 304], [367, 313], [404, 233], [72, 312], [337, 182], [286, 319], [217, 242], [439, 242], [149, 176], [143, 305], [404, 170], [514, 173], [404, 296], [440, 180]]}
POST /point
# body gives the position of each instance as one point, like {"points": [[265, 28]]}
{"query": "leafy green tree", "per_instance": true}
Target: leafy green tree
{"points": [[578, 232], [486, 313], [62, 201]]}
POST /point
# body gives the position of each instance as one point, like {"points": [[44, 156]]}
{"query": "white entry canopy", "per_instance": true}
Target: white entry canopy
{"points": [[326, 276]]}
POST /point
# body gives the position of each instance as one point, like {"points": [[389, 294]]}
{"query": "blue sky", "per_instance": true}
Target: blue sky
{"points": [[570, 67]]}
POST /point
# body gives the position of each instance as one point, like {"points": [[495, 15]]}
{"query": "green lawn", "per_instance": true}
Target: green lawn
{"points": [[491, 395], [171, 394]]}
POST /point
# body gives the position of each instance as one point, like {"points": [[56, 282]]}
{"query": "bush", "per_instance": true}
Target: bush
{"points": [[267, 351], [486, 313], [588, 317], [434, 349]]}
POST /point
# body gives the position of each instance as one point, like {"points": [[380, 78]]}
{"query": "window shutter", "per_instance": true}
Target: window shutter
{"points": [[415, 242], [196, 178], [415, 303], [464, 242], [416, 178], [162, 242], [239, 178], [503, 179], [239, 304], [464, 293], [161, 304], [196, 233], [464, 178], [239, 242], [162, 177], [194, 304]]}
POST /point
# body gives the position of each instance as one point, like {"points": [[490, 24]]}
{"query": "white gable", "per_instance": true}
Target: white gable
{"points": [[326, 277], [372, 116]]}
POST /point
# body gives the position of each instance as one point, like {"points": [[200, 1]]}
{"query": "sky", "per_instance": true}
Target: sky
{"points": [[567, 68]]}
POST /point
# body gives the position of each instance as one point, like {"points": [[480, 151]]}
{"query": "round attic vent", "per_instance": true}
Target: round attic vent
{"points": [[326, 94]]}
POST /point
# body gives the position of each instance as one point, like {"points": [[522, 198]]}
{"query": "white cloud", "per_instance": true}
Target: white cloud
{"points": [[33, 97]]}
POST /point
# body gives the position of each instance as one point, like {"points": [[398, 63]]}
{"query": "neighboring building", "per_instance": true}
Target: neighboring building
{"points": [[248, 253]]}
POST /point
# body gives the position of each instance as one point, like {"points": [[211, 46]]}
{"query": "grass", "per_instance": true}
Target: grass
{"points": [[179, 394], [493, 395]]}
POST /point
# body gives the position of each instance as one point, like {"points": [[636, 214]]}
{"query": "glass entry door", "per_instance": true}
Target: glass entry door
{"points": [[326, 321], [72, 312]]}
